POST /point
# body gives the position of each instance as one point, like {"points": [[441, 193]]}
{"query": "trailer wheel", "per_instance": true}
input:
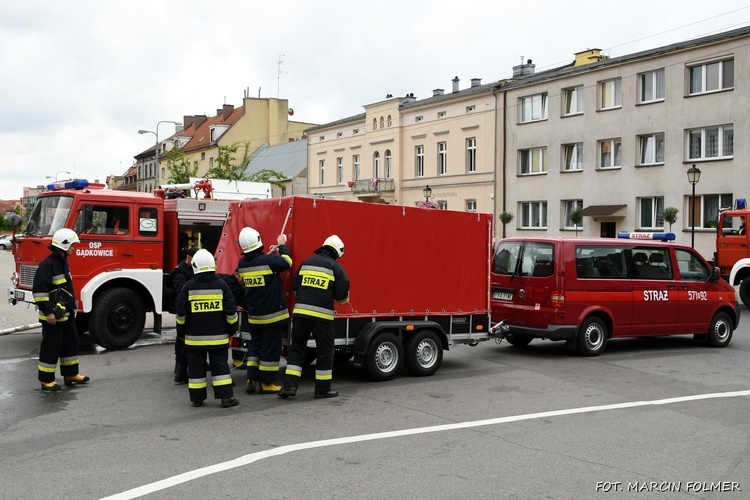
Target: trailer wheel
{"points": [[117, 318], [720, 332], [384, 357], [423, 353], [518, 340], [592, 338], [745, 291]]}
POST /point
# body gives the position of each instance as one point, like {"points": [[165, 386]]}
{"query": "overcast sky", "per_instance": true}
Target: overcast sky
{"points": [[81, 77]]}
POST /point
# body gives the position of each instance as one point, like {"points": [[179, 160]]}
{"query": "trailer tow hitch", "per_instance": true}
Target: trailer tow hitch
{"points": [[498, 330]]}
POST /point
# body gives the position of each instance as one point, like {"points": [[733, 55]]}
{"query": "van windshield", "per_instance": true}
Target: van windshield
{"points": [[49, 215]]}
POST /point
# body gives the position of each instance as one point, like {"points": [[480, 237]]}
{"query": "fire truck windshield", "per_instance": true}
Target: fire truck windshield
{"points": [[50, 214]]}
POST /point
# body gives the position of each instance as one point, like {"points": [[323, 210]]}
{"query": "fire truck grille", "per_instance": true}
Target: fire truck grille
{"points": [[27, 275]]}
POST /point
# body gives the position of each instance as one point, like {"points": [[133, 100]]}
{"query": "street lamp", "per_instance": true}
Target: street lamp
{"points": [[427, 192], [694, 175], [156, 149], [57, 175]]}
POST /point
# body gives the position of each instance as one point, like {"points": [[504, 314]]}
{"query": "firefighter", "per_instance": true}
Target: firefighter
{"points": [[237, 287], [181, 274], [206, 317], [318, 282], [55, 298], [267, 311]]}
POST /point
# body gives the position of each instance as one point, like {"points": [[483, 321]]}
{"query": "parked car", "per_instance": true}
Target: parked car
{"points": [[5, 241]]}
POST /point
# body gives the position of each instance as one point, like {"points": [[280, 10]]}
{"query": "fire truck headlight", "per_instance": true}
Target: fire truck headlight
{"points": [[14, 279]]}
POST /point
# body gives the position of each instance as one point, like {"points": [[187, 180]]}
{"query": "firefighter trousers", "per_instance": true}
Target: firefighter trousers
{"points": [[322, 331], [221, 379], [59, 341], [264, 352]]}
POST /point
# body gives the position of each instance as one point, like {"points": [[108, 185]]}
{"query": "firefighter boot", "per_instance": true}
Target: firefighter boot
{"points": [[250, 386], [269, 389], [288, 391], [181, 376], [323, 389], [326, 394], [76, 380], [227, 402], [50, 386]]}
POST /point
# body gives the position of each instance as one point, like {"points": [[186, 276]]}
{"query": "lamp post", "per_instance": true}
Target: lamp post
{"points": [[694, 175], [156, 149], [57, 174], [427, 192]]}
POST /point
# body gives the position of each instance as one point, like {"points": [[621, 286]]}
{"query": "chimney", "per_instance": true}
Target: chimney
{"points": [[523, 69], [227, 110], [588, 56], [455, 84], [476, 82], [187, 120], [437, 92], [198, 120]]}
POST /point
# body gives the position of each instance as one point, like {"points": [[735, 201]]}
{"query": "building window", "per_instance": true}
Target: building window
{"points": [[418, 119], [651, 86], [442, 158], [374, 123], [376, 165], [471, 154], [355, 131], [419, 160], [441, 114], [533, 108], [203, 156], [711, 142], [533, 215], [388, 163], [340, 170], [610, 94], [652, 149], [389, 120], [711, 77], [382, 122], [442, 205], [322, 172], [471, 108], [471, 205], [573, 101], [573, 156], [651, 212], [355, 166], [533, 161], [570, 206], [707, 209], [610, 153]]}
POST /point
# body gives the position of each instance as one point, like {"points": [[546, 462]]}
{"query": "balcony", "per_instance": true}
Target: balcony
{"points": [[374, 190]]}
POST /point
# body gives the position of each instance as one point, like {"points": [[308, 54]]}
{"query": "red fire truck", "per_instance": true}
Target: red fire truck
{"points": [[419, 277], [732, 254], [130, 242]]}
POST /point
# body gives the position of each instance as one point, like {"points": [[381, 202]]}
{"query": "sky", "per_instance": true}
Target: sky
{"points": [[81, 77]]}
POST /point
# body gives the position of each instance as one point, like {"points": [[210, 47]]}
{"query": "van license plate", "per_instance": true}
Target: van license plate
{"points": [[502, 295], [19, 294]]}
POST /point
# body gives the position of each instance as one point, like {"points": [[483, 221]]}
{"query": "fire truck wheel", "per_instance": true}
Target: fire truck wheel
{"points": [[117, 318], [592, 338], [518, 340], [423, 353], [720, 332], [384, 357], [745, 291]]}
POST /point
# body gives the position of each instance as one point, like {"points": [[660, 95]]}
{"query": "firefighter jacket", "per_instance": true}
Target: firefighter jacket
{"points": [[206, 313], [238, 291], [53, 288], [180, 275], [318, 282], [264, 291]]}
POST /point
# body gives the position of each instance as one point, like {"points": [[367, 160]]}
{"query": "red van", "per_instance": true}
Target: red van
{"points": [[587, 291]]}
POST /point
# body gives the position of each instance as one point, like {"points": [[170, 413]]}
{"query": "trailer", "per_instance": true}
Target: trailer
{"points": [[420, 277]]}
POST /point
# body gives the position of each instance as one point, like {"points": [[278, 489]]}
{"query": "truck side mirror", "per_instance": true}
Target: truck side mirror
{"points": [[714, 276]]}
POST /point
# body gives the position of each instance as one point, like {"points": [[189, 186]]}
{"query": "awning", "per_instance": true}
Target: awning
{"points": [[604, 210]]}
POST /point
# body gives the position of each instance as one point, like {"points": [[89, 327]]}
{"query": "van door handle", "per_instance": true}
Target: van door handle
{"points": [[128, 254], [670, 285]]}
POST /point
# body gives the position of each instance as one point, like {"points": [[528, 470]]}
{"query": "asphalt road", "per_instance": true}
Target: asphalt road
{"points": [[494, 422]]}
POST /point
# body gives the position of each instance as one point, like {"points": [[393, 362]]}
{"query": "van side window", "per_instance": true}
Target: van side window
{"points": [[692, 267], [651, 264], [538, 259], [506, 257], [593, 261], [98, 220]]}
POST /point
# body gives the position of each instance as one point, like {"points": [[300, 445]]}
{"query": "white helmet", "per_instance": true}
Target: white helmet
{"points": [[335, 242], [64, 238], [203, 262], [249, 240]]}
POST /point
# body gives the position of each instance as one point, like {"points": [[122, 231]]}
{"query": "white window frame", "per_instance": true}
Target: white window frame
{"points": [[536, 161], [471, 205], [355, 167], [653, 83], [698, 77], [572, 157], [615, 150], [568, 207], [573, 101], [724, 142], [471, 154], [442, 158], [419, 160], [611, 87], [533, 215], [340, 169], [649, 149], [322, 164], [388, 164], [533, 108], [442, 205], [655, 205], [706, 209]]}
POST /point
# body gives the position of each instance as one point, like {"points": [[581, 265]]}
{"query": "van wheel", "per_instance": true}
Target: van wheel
{"points": [[117, 319], [518, 340], [592, 338], [720, 332], [424, 352], [384, 357], [745, 291]]}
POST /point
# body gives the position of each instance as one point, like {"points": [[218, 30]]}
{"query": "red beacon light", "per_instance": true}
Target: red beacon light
{"points": [[646, 236], [74, 184]]}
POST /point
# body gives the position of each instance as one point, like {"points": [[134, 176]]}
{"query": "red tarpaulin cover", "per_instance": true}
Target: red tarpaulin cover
{"points": [[400, 260]]}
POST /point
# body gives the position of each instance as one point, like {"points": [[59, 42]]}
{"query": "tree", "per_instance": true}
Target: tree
{"points": [[225, 166], [506, 218], [670, 216], [178, 166], [266, 175], [576, 218]]}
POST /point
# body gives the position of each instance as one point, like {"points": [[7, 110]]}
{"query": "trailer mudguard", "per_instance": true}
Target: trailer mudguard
{"points": [[364, 337]]}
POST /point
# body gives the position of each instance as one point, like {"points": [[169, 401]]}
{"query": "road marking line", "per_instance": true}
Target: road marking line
{"points": [[282, 450]]}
